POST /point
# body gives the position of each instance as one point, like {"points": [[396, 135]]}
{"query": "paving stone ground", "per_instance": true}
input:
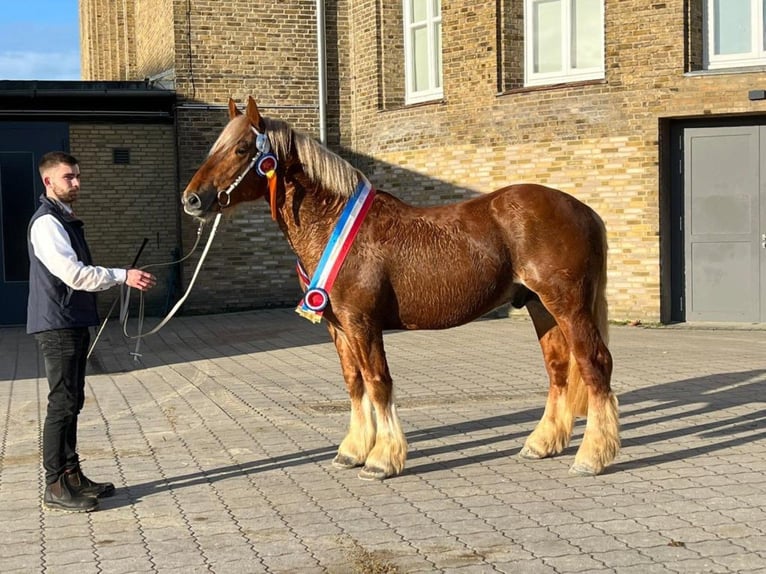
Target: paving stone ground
{"points": [[220, 438]]}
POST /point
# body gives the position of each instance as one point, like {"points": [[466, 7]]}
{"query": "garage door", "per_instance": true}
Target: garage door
{"points": [[725, 223]]}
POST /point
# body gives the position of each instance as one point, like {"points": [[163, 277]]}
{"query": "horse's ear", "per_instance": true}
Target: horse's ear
{"points": [[254, 114], [233, 109]]}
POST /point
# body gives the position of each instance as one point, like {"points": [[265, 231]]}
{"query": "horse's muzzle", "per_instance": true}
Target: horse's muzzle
{"points": [[193, 205]]}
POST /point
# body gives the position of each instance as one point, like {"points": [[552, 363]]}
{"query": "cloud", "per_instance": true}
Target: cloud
{"points": [[30, 65]]}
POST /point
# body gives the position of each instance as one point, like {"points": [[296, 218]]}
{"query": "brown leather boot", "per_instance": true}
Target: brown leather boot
{"points": [[60, 496], [81, 484]]}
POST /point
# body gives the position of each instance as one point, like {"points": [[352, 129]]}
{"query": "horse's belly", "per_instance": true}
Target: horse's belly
{"points": [[440, 305]]}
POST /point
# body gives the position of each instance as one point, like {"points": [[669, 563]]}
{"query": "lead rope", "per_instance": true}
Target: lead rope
{"points": [[265, 163], [125, 302], [114, 301], [125, 293]]}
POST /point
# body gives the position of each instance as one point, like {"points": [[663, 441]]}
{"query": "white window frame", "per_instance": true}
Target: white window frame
{"points": [[567, 73], [432, 24], [757, 54]]}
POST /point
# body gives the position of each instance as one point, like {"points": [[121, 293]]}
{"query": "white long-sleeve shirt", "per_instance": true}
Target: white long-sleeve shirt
{"points": [[53, 248]]}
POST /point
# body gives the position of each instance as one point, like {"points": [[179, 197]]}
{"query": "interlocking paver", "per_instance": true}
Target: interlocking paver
{"points": [[220, 442]]}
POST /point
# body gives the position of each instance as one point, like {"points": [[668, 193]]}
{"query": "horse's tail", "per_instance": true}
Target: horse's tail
{"points": [[577, 392], [600, 306]]}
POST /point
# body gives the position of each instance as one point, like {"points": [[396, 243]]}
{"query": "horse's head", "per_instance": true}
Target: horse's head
{"points": [[240, 167]]}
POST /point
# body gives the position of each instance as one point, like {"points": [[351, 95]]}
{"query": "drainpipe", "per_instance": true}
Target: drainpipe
{"points": [[322, 71]]}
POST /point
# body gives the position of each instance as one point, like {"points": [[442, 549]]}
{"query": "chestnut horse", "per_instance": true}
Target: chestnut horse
{"points": [[431, 268]]}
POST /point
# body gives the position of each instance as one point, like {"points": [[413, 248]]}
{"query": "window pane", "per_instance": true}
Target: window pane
{"points": [[420, 59], [437, 8], [547, 36], [419, 10], [586, 34], [732, 30]]}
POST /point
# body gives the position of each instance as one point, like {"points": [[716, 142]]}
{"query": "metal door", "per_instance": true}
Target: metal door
{"points": [[724, 223], [21, 146]]}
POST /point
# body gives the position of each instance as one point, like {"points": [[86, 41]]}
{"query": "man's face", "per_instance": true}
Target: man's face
{"points": [[62, 182]]}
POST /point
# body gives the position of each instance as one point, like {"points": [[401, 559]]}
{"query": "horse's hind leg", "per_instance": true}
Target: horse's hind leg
{"points": [[593, 362], [553, 432], [360, 438]]}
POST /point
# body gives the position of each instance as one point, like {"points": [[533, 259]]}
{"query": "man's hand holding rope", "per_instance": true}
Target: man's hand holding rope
{"points": [[141, 280]]}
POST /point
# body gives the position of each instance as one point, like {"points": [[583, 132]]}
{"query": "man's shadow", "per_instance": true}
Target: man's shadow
{"points": [[708, 396]]}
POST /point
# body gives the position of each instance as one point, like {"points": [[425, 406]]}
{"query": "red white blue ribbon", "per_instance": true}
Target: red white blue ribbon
{"points": [[317, 294]]}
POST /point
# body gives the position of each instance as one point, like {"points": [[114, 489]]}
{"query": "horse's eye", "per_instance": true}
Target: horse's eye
{"points": [[242, 150]]}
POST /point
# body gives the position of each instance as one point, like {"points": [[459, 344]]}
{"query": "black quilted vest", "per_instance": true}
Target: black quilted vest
{"points": [[52, 304]]}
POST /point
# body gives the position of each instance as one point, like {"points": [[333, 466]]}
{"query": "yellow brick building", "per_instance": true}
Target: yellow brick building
{"points": [[617, 132]]}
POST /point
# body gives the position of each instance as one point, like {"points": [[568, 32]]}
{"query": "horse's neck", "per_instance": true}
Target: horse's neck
{"points": [[307, 218]]}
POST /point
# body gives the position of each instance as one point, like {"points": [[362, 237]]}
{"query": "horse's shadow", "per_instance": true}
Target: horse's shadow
{"points": [[710, 394]]}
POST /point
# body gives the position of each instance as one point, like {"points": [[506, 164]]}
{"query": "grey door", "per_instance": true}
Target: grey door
{"points": [[724, 223], [21, 146]]}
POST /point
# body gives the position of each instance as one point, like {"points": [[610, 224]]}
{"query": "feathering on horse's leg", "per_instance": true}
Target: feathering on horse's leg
{"points": [[554, 430], [601, 441], [360, 438], [389, 455]]}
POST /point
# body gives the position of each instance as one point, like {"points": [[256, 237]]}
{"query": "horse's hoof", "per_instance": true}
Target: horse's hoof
{"points": [[372, 473], [529, 454], [345, 462], [579, 469]]}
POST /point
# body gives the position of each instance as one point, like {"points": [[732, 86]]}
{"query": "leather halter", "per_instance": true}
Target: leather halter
{"points": [[265, 163]]}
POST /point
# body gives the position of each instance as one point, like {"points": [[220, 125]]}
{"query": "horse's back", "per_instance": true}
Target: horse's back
{"points": [[538, 215], [530, 201]]}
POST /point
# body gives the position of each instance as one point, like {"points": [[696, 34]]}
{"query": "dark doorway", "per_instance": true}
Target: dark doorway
{"points": [[21, 146]]}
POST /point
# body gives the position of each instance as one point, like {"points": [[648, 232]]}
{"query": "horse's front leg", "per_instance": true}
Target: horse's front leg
{"points": [[388, 455], [360, 438]]}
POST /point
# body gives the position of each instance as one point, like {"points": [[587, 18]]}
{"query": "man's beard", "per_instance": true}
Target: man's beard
{"points": [[64, 195]]}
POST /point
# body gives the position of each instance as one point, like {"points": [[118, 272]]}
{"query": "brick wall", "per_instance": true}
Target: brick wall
{"points": [[122, 204], [598, 140], [237, 49], [106, 23], [153, 37], [126, 40]]}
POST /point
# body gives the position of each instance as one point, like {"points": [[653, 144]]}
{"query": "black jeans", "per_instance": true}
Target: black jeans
{"points": [[65, 353]]}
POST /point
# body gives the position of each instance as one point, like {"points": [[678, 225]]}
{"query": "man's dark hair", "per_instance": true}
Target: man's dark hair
{"points": [[54, 158]]}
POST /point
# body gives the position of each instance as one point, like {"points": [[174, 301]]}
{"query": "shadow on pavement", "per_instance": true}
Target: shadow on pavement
{"points": [[706, 395]]}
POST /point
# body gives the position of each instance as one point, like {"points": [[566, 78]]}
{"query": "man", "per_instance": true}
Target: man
{"points": [[61, 308]]}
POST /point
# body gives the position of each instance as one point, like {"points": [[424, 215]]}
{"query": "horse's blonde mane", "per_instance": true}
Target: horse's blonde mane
{"points": [[320, 165]]}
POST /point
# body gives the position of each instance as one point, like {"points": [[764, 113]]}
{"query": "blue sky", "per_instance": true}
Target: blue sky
{"points": [[39, 40]]}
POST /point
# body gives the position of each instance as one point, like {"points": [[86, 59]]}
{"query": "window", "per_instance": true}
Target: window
{"points": [[734, 33], [422, 50], [563, 41]]}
